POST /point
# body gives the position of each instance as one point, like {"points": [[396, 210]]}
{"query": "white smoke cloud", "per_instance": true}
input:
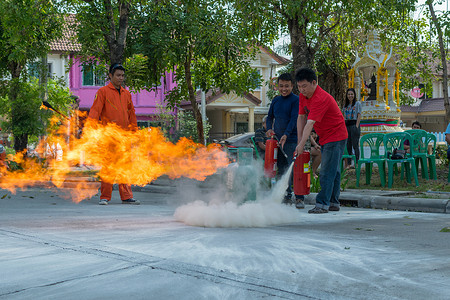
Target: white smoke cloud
{"points": [[223, 211]]}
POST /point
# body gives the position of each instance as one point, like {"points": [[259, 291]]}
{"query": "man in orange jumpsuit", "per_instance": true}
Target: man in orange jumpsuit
{"points": [[113, 103]]}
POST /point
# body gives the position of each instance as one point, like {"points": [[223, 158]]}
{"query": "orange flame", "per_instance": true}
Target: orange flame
{"points": [[123, 156]]}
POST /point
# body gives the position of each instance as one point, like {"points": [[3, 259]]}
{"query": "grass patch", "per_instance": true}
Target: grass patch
{"points": [[439, 185], [445, 229]]}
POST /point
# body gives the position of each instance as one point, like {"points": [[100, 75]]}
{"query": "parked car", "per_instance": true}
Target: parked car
{"points": [[243, 140]]}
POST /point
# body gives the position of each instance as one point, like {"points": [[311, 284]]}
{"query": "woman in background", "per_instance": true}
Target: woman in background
{"points": [[352, 116]]}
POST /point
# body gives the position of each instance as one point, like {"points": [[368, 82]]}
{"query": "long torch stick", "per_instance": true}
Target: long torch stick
{"points": [[48, 105]]}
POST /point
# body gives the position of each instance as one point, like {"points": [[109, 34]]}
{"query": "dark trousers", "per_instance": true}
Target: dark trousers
{"points": [[353, 141]]}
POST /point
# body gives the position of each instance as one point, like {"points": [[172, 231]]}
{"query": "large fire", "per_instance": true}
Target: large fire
{"points": [[122, 156]]}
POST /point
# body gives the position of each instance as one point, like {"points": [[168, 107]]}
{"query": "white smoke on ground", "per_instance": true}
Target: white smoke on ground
{"points": [[221, 211]]}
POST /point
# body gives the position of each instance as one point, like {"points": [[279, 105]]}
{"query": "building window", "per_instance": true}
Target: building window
{"points": [[33, 69], [241, 127], [146, 124], [93, 76]]}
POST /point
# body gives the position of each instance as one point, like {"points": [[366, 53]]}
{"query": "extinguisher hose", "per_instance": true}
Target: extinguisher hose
{"points": [[281, 149]]}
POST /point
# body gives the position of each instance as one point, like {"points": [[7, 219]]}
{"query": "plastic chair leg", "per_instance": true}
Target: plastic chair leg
{"points": [[368, 173], [358, 173], [407, 168], [390, 175], [414, 173], [422, 161], [382, 171], [432, 164]]}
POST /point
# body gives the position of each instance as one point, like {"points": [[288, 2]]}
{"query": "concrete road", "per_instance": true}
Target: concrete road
{"points": [[51, 248]]}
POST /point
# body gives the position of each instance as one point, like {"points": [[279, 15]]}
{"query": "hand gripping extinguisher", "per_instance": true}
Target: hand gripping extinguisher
{"points": [[302, 174], [270, 159]]}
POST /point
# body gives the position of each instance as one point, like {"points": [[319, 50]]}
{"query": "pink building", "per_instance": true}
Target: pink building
{"points": [[84, 84]]}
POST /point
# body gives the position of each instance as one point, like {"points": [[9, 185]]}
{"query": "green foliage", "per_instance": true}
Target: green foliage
{"points": [[137, 75], [315, 184], [441, 155], [188, 126], [30, 119], [344, 179], [26, 28], [203, 35], [167, 119], [272, 89], [324, 34]]}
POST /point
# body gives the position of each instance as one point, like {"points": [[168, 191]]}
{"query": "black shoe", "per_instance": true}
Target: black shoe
{"points": [[299, 204], [334, 208], [317, 210], [131, 201], [287, 201]]}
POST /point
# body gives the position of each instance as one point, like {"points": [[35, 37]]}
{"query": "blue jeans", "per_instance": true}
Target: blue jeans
{"points": [[330, 174]]}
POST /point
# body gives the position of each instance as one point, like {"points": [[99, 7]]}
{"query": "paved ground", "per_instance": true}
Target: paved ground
{"points": [[52, 248]]}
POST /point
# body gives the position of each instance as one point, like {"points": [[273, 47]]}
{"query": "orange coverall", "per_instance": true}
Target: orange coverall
{"points": [[112, 106]]}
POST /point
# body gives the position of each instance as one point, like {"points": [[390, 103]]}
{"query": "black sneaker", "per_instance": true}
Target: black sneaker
{"points": [[317, 210], [299, 204], [334, 208], [131, 201], [287, 199]]}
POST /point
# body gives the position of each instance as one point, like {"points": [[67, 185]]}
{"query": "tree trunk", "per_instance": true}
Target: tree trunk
{"points": [[197, 114], [117, 40], [443, 60], [302, 54]]}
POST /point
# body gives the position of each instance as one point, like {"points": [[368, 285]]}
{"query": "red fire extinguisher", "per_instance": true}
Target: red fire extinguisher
{"points": [[302, 174], [270, 159]]}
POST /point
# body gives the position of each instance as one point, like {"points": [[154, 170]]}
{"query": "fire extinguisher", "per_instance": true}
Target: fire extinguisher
{"points": [[302, 174], [270, 159]]}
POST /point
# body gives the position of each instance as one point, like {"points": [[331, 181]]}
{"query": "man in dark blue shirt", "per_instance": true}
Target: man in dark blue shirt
{"points": [[282, 121]]}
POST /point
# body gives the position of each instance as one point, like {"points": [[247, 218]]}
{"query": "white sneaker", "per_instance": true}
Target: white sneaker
{"points": [[103, 202]]}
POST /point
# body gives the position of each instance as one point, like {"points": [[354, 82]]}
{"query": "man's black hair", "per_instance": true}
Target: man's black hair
{"points": [[416, 123], [305, 74], [285, 77], [114, 67]]}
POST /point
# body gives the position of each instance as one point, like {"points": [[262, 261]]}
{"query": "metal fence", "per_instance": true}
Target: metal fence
{"points": [[440, 136]]}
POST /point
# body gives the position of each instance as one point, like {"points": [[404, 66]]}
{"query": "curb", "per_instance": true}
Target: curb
{"points": [[392, 203]]}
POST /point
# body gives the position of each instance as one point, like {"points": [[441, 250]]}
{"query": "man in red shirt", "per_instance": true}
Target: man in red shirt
{"points": [[112, 104], [319, 110]]}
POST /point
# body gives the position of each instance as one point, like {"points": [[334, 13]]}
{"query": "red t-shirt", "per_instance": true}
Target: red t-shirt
{"points": [[322, 108]]}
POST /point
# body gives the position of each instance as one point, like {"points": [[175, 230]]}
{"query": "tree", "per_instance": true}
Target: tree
{"points": [[26, 29], [200, 42], [102, 28], [439, 24], [29, 120], [325, 27]]}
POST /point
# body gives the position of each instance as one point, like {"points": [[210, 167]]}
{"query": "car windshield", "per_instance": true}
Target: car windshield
{"points": [[236, 137]]}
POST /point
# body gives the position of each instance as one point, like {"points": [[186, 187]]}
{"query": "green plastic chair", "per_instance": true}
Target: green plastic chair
{"points": [[395, 140], [431, 139], [374, 141], [345, 156], [420, 150]]}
